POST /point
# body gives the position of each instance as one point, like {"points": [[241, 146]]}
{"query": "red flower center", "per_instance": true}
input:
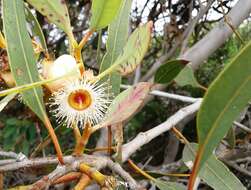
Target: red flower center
{"points": [[80, 99]]}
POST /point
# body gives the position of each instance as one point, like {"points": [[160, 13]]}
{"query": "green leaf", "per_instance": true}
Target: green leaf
{"points": [[186, 77], [135, 49], [133, 52], [103, 12], [230, 138], [127, 103], [225, 99], [117, 36], [37, 30], [6, 100], [20, 54], [168, 71], [163, 185], [213, 172], [56, 12]]}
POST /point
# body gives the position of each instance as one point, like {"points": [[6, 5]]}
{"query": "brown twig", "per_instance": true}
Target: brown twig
{"points": [[85, 39], [84, 181], [78, 49], [54, 139], [109, 141], [67, 178]]}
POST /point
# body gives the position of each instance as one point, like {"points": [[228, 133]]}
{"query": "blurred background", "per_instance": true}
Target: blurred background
{"points": [[21, 131]]}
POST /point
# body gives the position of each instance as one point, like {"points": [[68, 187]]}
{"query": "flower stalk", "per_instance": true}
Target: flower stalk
{"points": [[84, 181], [54, 139], [78, 49], [82, 142], [77, 133], [72, 176]]}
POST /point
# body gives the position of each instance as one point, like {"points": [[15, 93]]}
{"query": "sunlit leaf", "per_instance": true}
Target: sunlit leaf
{"points": [[103, 12], [225, 99], [168, 71], [20, 54], [213, 172]]}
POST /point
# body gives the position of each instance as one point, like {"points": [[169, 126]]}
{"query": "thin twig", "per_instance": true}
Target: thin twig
{"points": [[126, 176], [168, 95], [72, 165], [243, 127], [85, 39]]}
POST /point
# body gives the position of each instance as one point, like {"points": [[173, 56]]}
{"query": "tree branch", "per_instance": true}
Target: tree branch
{"points": [[218, 35], [143, 138], [167, 95], [199, 52]]}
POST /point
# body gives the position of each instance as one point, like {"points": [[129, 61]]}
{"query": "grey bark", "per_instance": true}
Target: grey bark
{"points": [[218, 35]]}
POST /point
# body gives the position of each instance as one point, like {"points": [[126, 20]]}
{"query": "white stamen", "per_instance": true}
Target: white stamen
{"points": [[94, 113]]}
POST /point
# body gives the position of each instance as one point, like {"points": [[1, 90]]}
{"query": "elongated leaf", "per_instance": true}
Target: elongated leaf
{"points": [[162, 185], [20, 54], [28, 86], [118, 32], [117, 36], [186, 77], [168, 71], [6, 100], [56, 12], [213, 172], [225, 99], [103, 12], [135, 49], [37, 30], [127, 103], [133, 52]]}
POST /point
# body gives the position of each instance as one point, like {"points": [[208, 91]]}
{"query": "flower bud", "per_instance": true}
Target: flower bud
{"points": [[60, 67]]}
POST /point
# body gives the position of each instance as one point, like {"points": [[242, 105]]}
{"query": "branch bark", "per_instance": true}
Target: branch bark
{"points": [[143, 138], [199, 52], [218, 35]]}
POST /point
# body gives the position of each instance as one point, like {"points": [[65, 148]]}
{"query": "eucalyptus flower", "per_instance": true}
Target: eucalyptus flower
{"points": [[81, 101]]}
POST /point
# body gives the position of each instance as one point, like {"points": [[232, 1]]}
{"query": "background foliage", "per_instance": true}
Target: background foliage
{"points": [[21, 131]]}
